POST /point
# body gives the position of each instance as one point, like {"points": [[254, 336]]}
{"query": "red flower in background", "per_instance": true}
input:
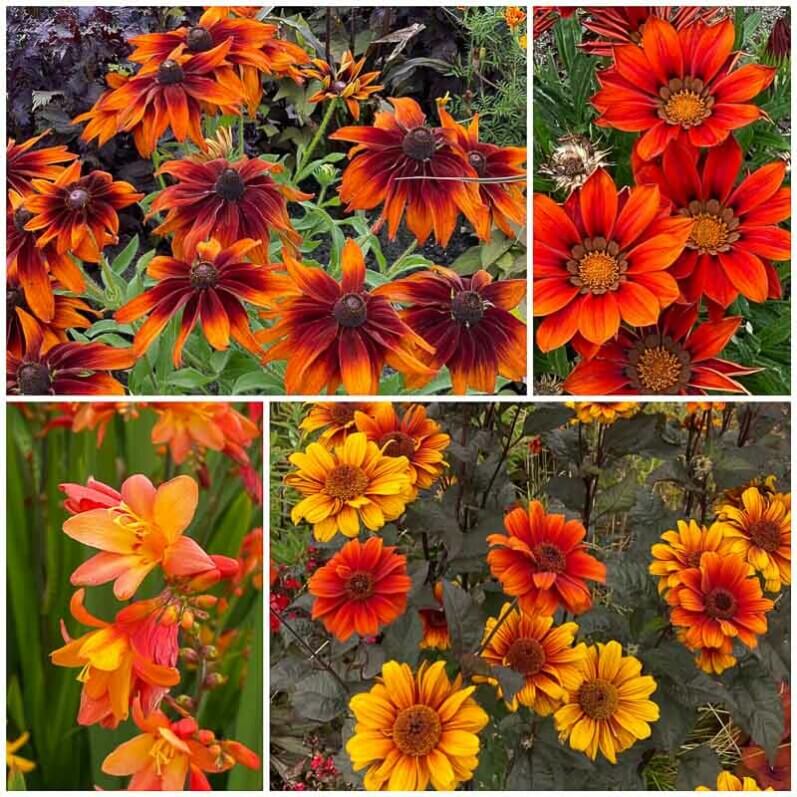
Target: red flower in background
{"points": [[24, 164]]}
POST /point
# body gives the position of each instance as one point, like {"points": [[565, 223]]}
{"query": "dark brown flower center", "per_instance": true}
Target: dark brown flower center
{"points": [[345, 482], [597, 266], [549, 558], [693, 559], [33, 379], [467, 307], [351, 310], [397, 444], [720, 603], [714, 228], [360, 585], [417, 730], [203, 275], [765, 534], [230, 185], [658, 365], [199, 39], [685, 102], [436, 618], [170, 72], [478, 161], [419, 143], [526, 656], [77, 198], [598, 699], [21, 218], [342, 413]]}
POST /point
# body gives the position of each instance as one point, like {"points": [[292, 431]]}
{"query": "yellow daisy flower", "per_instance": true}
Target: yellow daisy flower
{"points": [[606, 412], [334, 418], [727, 781]]}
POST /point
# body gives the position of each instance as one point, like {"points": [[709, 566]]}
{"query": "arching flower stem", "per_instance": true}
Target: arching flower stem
{"points": [[304, 157]]}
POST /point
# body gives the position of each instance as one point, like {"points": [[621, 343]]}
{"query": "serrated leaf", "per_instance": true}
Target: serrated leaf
{"points": [[319, 697]]}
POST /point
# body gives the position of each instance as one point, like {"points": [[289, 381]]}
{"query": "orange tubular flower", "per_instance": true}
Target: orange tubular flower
{"points": [[505, 202], [361, 589], [334, 418], [543, 561], [602, 257], [468, 321], [228, 201], [735, 231], [680, 85], [676, 357], [78, 213], [344, 82], [24, 164], [434, 624], [211, 289], [332, 332], [402, 145]]}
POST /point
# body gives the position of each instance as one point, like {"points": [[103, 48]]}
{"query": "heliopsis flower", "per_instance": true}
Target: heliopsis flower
{"points": [[735, 232], [332, 332], [413, 435], [361, 589], [134, 656], [514, 16], [352, 483], [401, 145], [468, 321], [760, 532], [680, 85], [16, 763], [572, 162], [499, 170], [542, 653], [434, 624], [605, 412], [343, 81], [415, 729], [210, 287], [678, 356], [609, 709], [543, 561], [334, 418], [24, 164], [603, 257], [228, 201], [78, 213], [766, 485], [727, 781]]}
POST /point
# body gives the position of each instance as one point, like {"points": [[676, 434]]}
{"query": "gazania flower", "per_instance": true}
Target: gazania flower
{"points": [[499, 167], [605, 412], [602, 257], [573, 160], [16, 763], [675, 357], [401, 145], [210, 287], [542, 561], [24, 164], [541, 652], [735, 232], [361, 589], [335, 419], [468, 321], [727, 781], [78, 213], [228, 201], [415, 729], [609, 709], [434, 624], [355, 482], [680, 85], [760, 532], [344, 81], [332, 332], [413, 436]]}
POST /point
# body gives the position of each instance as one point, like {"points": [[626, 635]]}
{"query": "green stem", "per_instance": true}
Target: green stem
{"points": [[305, 157], [241, 134], [406, 253], [156, 164]]}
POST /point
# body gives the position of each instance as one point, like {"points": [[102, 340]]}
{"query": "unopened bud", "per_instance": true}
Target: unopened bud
{"points": [[209, 652], [170, 615], [186, 701], [187, 620], [214, 679], [215, 750], [206, 601], [205, 736], [189, 655]]}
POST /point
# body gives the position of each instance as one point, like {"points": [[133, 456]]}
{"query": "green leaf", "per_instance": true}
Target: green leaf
{"points": [[545, 417], [698, 767], [464, 619], [402, 638], [319, 697], [125, 257]]}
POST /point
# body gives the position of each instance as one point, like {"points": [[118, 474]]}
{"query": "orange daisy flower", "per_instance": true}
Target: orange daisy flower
{"points": [[24, 164], [434, 624], [402, 145], [228, 201], [361, 589], [334, 418], [514, 16], [332, 332], [602, 257], [343, 81], [468, 322], [102, 118], [680, 85], [543, 561]]}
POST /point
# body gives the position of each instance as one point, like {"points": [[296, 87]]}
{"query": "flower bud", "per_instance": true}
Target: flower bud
{"points": [[186, 701], [187, 620], [206, 601], [189, 655], [214, 680], [209, 652]]}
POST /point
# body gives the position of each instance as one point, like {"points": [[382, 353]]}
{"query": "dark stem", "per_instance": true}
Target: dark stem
{"points": [[328, 42], [503, 457], [500, 622]]}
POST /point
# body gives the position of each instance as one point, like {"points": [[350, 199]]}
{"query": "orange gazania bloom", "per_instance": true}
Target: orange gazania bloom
{"points": [[543, 561], [602, 257], [401, 145], [434, 624], [504, 202], [344, 81], [228, 201], [468, 322], [361, 589], [334, 418], [675, 357], [735, 232], [680, 85], [211, 288], [78, 213], [24, 164], [332, 332]]}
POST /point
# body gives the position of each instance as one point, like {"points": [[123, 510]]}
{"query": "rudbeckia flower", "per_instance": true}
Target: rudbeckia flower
{"points": [[468, 321], [102, 119], [401, 145], [680, 84], [543, 561], [361, 589], [727, 781], [335, 419], [605, 412], [542, 653], [343, 81], [78, 213], [434, 624], [24, 164], [211, 288], [678, 356], [735, 230], [332, 332], [609, 709], [413, 729], [355, 482], [602, 257]]}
